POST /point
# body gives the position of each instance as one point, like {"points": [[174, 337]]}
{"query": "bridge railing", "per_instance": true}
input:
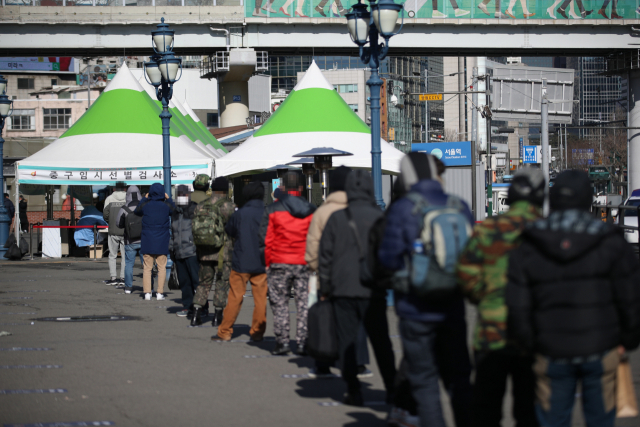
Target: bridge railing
{"points": [[147, 3]]}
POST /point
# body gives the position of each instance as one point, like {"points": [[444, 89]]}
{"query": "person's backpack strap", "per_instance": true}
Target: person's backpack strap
{"points": [[419, 202], [126, 208], [354, 227], [454, 202]]}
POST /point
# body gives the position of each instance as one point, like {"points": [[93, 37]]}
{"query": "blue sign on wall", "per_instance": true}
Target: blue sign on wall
{"points": [[530, 154], [451, 153], [521, 144], [237, 98]]}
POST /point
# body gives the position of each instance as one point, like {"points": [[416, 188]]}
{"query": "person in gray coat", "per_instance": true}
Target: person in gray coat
{"points": [[116, 235], [183, 250]]}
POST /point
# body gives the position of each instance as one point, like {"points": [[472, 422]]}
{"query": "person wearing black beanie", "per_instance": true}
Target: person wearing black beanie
{"points": [[220, 184], [573, 300], [246, 265], [253, 191]]}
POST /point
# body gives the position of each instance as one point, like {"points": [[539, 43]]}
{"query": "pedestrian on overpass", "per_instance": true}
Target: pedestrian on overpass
{"points": [[112, 206], [246, 266], [573, 299], [482, 276]]}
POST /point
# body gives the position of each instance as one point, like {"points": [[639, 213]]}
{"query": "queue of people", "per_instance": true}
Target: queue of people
{"points": [[558, 298]]}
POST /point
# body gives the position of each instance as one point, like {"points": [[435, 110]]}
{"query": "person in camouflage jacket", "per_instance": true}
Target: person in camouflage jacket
{"points": [[210, 274], [482, 275]]}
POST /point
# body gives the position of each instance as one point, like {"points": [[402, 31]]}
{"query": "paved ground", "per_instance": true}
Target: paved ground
{"points": [[153, 371]]}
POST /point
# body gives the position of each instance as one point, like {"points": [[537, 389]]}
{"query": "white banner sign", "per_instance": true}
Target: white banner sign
{"points": [[92, 176]]}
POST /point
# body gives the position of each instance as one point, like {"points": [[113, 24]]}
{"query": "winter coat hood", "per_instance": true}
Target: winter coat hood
{"points": [[133, 194], [156, 192], [117, 197], [567, 234], [297, 206], [359, 187]]}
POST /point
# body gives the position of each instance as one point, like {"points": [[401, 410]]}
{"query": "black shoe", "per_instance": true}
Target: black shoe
{"points": [[216, 338], [586, 13], [320, 11], [561, 12], [217, 318], [196, 320], [281, 350], [353, 399]]}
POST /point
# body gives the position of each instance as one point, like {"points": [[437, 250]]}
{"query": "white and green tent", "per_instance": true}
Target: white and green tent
{"points": [[188, 121], [119, 138], [312, 116]]}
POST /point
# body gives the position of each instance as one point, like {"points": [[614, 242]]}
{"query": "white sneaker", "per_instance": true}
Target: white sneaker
{"points": [[483, 8], [460, 12], [159, 297], [147, 297], [438, 14]]}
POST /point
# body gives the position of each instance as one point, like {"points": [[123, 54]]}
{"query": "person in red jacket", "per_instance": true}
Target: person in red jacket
{"points": [[283, 241]]}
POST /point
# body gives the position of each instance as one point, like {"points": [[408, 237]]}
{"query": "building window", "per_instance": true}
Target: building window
{"points": [[54, 82], [353, 88], [212, 120], [26, 83], [57, 118], [22, 120], [354, 107]]}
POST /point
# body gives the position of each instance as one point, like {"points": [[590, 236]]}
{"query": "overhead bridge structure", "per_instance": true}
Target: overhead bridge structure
{"points": [[76, 28]]}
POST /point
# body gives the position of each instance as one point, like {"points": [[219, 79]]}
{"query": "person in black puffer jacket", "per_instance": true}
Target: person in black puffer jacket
{"points": [[573, 299], [183, 249], [344, 240]]}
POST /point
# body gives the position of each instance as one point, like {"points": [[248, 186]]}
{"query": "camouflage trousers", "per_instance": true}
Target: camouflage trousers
{"points": [[279, 278], [209, 277]]}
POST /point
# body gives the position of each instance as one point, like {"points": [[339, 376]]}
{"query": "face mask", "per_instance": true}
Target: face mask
{"points": [[182, 200]]}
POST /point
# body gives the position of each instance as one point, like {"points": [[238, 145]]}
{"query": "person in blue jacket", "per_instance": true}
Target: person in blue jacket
{"points": [[155, 209], [85, 236], [434, 337]]}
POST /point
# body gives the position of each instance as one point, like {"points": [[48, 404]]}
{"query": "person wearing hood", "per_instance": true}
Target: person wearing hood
{"points": [[85, 236], [116, 235], [434, 335], [283, 239], [336, 200], [573, 299], [244, 228], [183, 248], [482, 276], [155, 210], [343, 241], [131, 242]]}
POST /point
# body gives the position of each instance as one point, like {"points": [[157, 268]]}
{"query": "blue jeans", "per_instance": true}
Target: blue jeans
{"points": [[435, 350], [187, 270], [557, 380], [130, 252]]}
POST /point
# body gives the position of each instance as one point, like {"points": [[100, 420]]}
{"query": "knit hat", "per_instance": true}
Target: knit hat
{"points": [[220, 184], [339, 178], [571, 190], [415, 167], [527, 184], [201, 183], [253, 191], [121, 186]]}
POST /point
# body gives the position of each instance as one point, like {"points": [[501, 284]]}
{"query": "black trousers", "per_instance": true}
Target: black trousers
{"points": [[350, 314], [188, 269], [492, 370]]}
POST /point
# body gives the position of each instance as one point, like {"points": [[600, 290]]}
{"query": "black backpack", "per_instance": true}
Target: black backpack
{"points": [[132, 225]]}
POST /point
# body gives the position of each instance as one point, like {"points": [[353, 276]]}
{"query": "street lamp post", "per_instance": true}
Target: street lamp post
{"points": [[308, 170], [365, 27], [161, 72], [5, 111]]}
